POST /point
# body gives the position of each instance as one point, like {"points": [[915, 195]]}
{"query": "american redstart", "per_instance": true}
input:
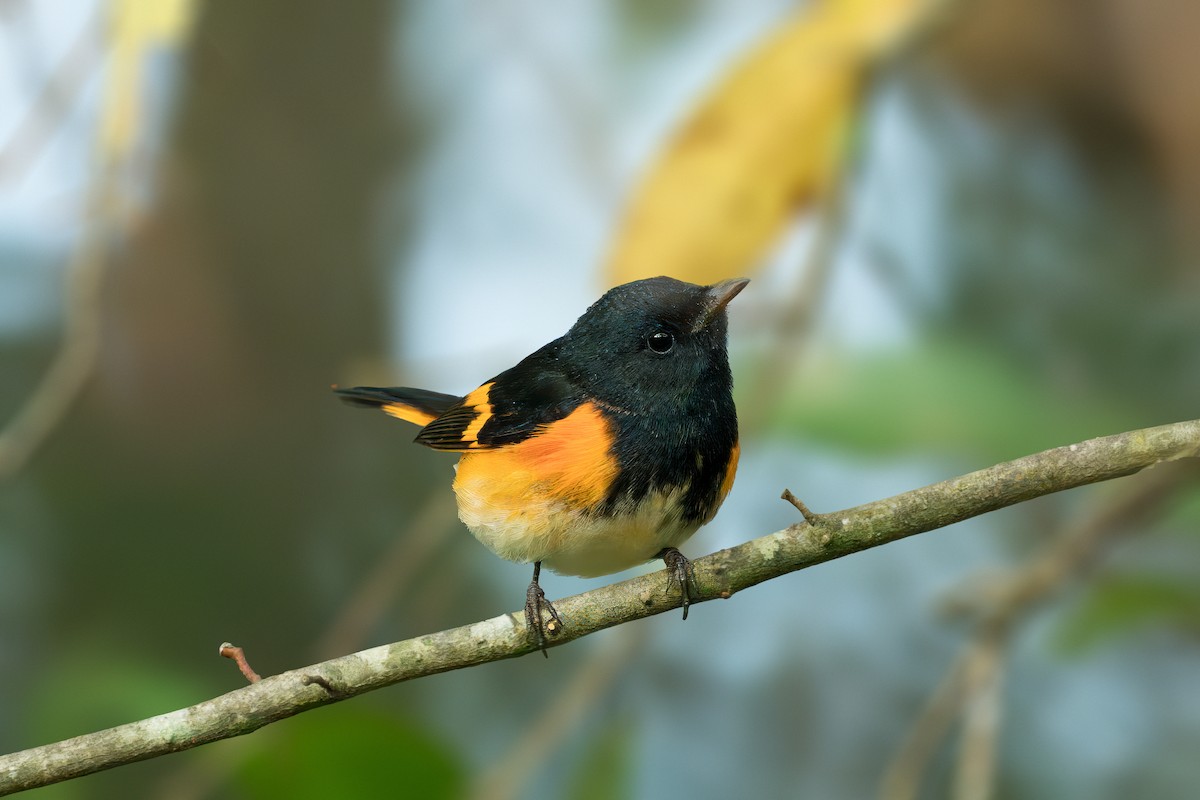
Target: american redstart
{"points": [[604, 449]]}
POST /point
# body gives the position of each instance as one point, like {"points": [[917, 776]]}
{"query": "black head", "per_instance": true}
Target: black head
{"points": [[652, 342]]}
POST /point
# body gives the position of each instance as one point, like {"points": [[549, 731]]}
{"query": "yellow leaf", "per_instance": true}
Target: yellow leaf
{"points": [[761, 148], [138, 26]]}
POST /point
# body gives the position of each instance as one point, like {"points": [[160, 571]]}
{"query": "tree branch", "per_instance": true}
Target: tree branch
{"points": [[719, 575]]}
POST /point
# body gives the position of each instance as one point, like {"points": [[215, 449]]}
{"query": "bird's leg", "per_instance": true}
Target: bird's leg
{"points": [[679, 573], [535, 601]]}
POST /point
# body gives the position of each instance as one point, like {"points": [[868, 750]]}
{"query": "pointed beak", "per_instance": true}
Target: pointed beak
{"points": [[719, 295]]}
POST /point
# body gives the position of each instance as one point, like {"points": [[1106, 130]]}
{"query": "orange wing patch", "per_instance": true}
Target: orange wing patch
{"points": [[477, 400], [458, 428]]}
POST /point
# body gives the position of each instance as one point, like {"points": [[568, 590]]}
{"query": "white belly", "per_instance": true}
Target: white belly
{"points": [[572, 542]]}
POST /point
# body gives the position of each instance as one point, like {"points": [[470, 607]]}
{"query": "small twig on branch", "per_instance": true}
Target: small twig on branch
{"points": [[317, 679], [809, 516], [237, 654], [721, 574]]}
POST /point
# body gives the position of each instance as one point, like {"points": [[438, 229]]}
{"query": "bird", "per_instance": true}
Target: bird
{"points": [[606, 448]]}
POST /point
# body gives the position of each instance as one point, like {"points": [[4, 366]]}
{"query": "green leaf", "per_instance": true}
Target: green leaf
{"points": [[351, 751], [1119, 606], [91, 687], [94, 687], [605, 771], [947, 396], [1184, 510]]}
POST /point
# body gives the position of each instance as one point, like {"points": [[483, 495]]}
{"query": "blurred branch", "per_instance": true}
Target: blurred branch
{"points": [[792, 324], [719, 575], [76, 357], [903, 777], [376, 593], [49, 110], [971, 688], [983, 678]]}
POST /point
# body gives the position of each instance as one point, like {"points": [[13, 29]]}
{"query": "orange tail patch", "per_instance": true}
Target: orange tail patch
{"points": [[408, 413]]}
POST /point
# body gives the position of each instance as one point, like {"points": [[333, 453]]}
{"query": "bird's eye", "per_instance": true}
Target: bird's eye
{"points": [[660, 342]]}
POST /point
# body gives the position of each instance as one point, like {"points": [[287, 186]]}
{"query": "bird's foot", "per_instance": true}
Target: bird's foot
{"points": [[535, 602], [681, 574]]}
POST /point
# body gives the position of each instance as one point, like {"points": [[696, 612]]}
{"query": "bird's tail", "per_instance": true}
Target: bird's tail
{"points": [[418, 406]]}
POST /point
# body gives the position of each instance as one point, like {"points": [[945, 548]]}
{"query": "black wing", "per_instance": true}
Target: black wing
{"points": [[507, 409]]}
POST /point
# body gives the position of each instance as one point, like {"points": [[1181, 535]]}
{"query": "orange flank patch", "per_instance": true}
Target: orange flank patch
{"points": [[730, 472], [566, 463], [408, 413]]}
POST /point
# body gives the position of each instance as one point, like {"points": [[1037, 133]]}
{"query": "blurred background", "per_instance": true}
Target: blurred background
{"points": [[972, 229]]}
